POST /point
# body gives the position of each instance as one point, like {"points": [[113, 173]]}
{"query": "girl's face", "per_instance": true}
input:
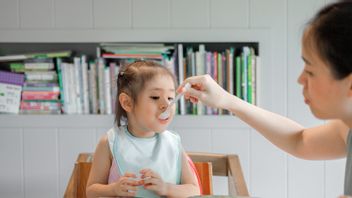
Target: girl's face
{"points": [[144, 119], [327, 97]]}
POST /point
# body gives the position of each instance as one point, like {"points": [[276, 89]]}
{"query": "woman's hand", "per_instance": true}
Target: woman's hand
{"points": [[126, 186], [206, 90], [153, 182]]}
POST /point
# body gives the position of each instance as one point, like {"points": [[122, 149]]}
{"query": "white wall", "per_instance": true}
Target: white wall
{"points": [[37, 153]]}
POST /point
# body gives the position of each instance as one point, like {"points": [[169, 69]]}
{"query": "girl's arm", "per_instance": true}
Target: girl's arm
{"points": [[99, 172], [189, 184], [98, 177]]}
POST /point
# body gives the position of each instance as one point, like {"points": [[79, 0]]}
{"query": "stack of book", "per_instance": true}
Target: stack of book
{"points": [[88, 87], [10, 91], [41, 91], [125, 51], [234, 69]]}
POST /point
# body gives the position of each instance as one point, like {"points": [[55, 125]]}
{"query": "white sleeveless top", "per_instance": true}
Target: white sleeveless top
{"points": [[161, 153]]}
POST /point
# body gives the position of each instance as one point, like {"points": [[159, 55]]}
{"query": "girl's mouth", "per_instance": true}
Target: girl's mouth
{"points": [[163, 120]]}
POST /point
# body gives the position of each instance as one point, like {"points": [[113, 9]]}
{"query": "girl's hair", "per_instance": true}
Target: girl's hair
{"points": [[331, 30], [132, 79]]}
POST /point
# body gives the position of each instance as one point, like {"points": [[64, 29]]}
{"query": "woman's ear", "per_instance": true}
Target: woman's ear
{"points": [[126, 102]]}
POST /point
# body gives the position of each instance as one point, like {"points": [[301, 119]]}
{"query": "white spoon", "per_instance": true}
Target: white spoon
{"points": [[166, 112]]}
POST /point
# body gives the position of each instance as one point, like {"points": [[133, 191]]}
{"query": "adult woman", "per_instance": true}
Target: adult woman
{"points": [[327, 89]]}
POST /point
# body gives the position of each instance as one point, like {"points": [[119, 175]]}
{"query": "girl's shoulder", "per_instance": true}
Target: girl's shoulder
{"points": [[171, 135], [103, 146]]}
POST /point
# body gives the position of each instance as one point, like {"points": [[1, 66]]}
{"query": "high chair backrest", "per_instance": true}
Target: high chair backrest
{"points": [[225, 165], [206, 165]]}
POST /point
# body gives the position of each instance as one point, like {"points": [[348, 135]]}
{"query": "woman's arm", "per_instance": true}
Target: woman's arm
{"points": [[323, 142], [326, 141]]}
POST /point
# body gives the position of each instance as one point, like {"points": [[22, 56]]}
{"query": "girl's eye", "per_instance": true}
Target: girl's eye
{"points": [[170, 98], [154, 97]]}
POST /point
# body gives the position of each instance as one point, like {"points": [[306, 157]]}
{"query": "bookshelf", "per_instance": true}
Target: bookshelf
{"points": [[93, 50]]}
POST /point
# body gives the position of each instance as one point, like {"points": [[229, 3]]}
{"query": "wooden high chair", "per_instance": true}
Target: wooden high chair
{"points": [[206, 165]]}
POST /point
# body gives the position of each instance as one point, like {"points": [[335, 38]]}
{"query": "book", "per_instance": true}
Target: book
{"points": [[40, 88], [17, 67], [93, 88], [238, 77], [11, 78], [39, 64], [107, 91], [135, 56], [101, 90], [40, 95], [50, 76], [40, 105], [10, 97], [85, 94], [35, 55]]}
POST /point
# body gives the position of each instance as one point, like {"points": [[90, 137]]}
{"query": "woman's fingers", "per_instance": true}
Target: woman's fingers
{"points": [[197, 82], [195, 93]]}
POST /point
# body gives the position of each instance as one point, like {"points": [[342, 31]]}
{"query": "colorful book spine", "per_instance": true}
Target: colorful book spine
{"points": [[11, 78], [181, 76], [107, 91], [78, 84], [10, 97], [85, 94], [93, 91], [238, 77], [249, 77], [59, 76], [40, 95]]}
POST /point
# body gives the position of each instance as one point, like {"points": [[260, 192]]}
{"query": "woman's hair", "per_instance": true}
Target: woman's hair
{"points": [[331, 30], [132, 79]]}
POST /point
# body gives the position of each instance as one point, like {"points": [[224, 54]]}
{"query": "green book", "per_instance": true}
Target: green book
{"points": [[249, 79], [59, 73], [17, 67], [220, 79], [238, 77]]}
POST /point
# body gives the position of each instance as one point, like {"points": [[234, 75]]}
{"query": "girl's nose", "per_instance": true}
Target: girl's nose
{"points": [[164, 103]]}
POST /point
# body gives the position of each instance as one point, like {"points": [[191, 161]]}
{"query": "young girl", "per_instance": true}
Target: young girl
{"points": [[139, 157]]}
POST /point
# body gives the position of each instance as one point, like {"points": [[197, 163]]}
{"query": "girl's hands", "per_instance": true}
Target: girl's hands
{"points": [[206, 90], [126, 186], [153, 182]]}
